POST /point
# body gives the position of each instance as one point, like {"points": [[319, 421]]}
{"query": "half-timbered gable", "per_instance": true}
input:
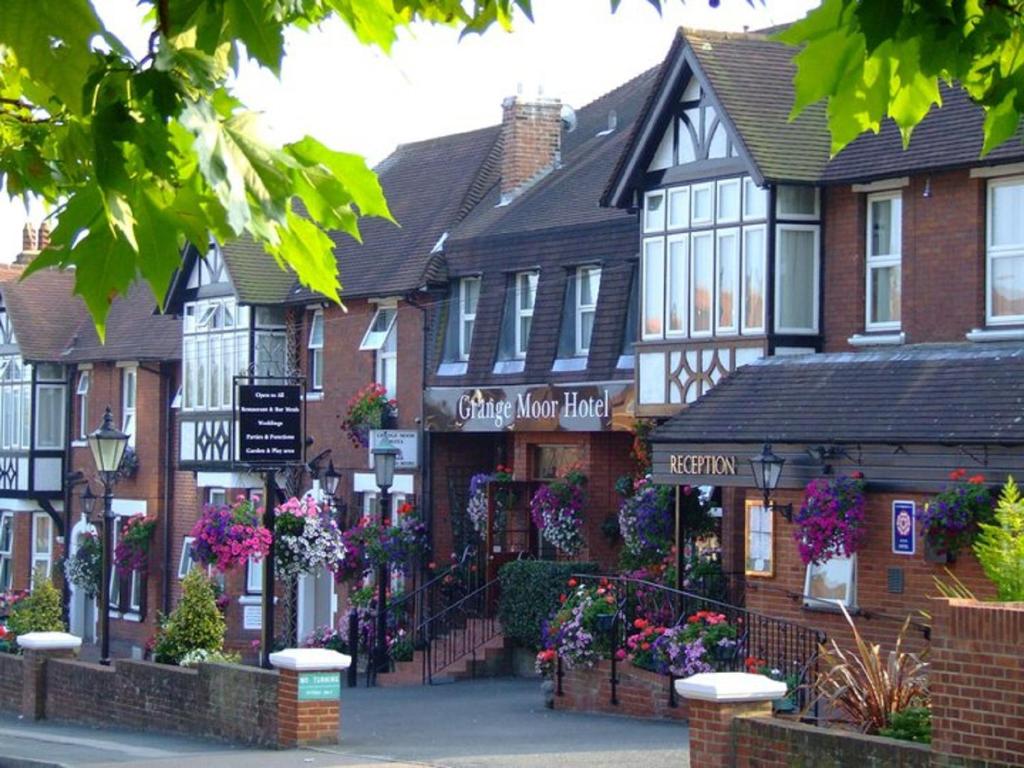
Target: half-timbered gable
{"points": [[730, 235]]}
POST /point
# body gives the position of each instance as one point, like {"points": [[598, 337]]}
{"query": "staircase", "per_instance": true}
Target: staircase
{"points": [[490, 658]]}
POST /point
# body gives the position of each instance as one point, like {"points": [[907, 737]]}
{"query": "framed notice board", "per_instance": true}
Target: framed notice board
{"points": [[759, 534]]}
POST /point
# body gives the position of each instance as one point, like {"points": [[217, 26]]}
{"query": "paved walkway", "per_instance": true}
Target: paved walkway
{"points": [[486, 723]]}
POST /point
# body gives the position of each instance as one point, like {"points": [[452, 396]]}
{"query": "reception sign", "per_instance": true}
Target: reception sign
{"points": [[903, 527], [546, 408]]}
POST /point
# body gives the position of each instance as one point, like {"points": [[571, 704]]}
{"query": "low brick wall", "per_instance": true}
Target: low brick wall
{"points": [[977, 683], [774, 743], [11, 674], [640, 693], [220, 701]]}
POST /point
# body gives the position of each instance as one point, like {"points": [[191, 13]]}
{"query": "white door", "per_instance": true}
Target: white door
{"points": [[317, 602], [82, 609]]}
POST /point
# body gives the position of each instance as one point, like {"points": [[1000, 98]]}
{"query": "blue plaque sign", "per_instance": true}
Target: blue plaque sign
{"points": [[903, 518]]}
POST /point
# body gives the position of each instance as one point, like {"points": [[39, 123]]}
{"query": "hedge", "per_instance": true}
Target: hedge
{"points": [[529, 595]]}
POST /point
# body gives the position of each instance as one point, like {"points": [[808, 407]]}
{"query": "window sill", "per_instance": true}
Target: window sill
{"points": [[452, 369], [626, 363], [314, 397], [824, 606], [79, 444], [131, 617], [877, 339], [114, 614], [994, 334], [252, 600], [509, 366], [570, 364]]}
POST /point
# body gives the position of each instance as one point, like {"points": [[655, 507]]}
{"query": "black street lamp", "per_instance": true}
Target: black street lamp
{"points": [[329, 480], [767, 469], [384, 457], [107, 445]]}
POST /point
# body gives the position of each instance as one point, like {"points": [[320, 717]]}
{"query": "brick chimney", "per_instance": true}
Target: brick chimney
{"points": [[531, 134], [32, 242], [28, 239], [44, 236]]}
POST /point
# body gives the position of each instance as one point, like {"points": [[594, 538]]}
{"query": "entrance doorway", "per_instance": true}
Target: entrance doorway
{"points": [[317, 602], [82, 613]]}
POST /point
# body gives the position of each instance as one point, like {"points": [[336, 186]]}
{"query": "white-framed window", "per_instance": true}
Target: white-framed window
{"points": [[727, 207], [679, 208], [129, 392], [834, 581], [526, 298], [760, 536], [379, 328], [215, 349], [755, 248], [469, 297], [216, 497], [49, 416], [254, 576], [796, 278], [42, 547], [702, 204], [15, 403], [654, 212], [6, 550], [884, 241], [702, 274], [654, 288], [797, 202], [386, 363], [316, 350], [678, 290], [755, 200], [727, 283], [186, 562], [82, 392], [135, 581], [588, 286], [1004, 297]]}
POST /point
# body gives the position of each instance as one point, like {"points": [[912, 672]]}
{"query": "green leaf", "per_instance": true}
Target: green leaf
{"points": [[1001, 122], [51, 40], [157, 233], [878, 20], [263, 37], [104, 269], [360, 182], [309, 251]]}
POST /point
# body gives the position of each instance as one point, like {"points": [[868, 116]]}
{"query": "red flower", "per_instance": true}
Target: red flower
{"points": [[610, 600], [977, 480], [645, 646], [958, 474], [639, 623], [857, 475], [572, 582], [431, 566], [562, 598]]}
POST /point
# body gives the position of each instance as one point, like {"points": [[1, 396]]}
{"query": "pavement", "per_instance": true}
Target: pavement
{"points": [[482, 723]]}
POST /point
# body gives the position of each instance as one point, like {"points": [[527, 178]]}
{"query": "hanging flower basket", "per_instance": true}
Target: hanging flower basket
{"points": [[397, 542], [226, 537], [557, 511], [306, 539], [831, 521], [368, 409], [504, 499], [949, 522], [84, 569], [132, 550]]}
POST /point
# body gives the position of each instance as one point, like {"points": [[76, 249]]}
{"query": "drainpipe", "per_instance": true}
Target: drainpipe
{"points": [[167, 376]]}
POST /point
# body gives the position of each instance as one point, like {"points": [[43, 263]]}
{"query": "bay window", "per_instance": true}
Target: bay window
{"points": [[702, 278], [50, 406], [526, 298], [469, 296], [796, 278], [270, 358], [316, 351], [15, 403], [883, 261], [588, 285], [215, 349], [654, 212], [1005, 252]]}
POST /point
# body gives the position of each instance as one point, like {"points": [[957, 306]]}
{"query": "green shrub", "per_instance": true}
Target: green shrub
{"points": [[1000, 545], [195, 625], [39, 612], [529, 595], [913, 724]]}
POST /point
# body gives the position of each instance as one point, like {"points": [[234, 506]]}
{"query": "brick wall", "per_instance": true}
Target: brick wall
{"points": [[219, 701], [11, 675], [882, 612], [977, 683], [774, 743], [640, 693], [943, 260]]}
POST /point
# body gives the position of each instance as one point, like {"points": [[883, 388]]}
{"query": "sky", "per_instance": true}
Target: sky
{"points": [[357, 99]]}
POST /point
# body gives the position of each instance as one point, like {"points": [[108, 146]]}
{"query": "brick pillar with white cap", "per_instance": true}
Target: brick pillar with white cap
{"points": [[308, 695], [714, 700], [38, 648]]}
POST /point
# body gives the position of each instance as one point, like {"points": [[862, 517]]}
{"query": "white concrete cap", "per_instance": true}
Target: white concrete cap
{"points": [[49, 641], [310, 659], [730, 686]]}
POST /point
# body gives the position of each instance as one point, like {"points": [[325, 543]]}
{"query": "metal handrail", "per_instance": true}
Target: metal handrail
{"points": [[458, 630]]}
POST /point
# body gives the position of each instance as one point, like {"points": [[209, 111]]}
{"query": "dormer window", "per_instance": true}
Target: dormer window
{"points": [[588, 285], [526, 298], [469, 297]]}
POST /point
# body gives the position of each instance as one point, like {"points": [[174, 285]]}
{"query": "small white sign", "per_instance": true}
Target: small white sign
{"points": [[252, 617], [407, 441]]}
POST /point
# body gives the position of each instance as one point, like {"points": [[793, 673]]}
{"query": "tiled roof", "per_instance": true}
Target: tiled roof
{"points": [[949, 137], [254, 273], [44, 313], [135, 331], [570, 195], [937, 394]]}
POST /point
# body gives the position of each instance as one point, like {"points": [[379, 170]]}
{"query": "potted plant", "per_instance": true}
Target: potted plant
{"points": [[951, 520], [831, 521], [132, 550], [557, 511], [369, 408], [226, 537]]}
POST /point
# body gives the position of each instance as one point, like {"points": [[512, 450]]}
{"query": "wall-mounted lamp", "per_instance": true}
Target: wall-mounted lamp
{"points": [[767, 468], [927, 187]]}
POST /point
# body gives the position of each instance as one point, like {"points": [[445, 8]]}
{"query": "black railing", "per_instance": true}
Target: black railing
{"points": [[460, 630], [763, 642], [437, 592]]}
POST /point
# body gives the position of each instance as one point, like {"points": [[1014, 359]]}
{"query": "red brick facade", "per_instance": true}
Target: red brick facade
{"points": [[640, 693]]}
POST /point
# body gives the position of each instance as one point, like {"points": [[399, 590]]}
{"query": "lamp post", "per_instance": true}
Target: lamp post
{"points": [[329, 482], [107, 445], [384, 456], [767, 468]]}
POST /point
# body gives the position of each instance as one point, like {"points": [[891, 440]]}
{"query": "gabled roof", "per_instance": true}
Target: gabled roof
{"points": [[135, 331], [430, 186], [949, 137], [255, 274], [751, 79], [569, 195], [44, 313], [937, 394]]}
